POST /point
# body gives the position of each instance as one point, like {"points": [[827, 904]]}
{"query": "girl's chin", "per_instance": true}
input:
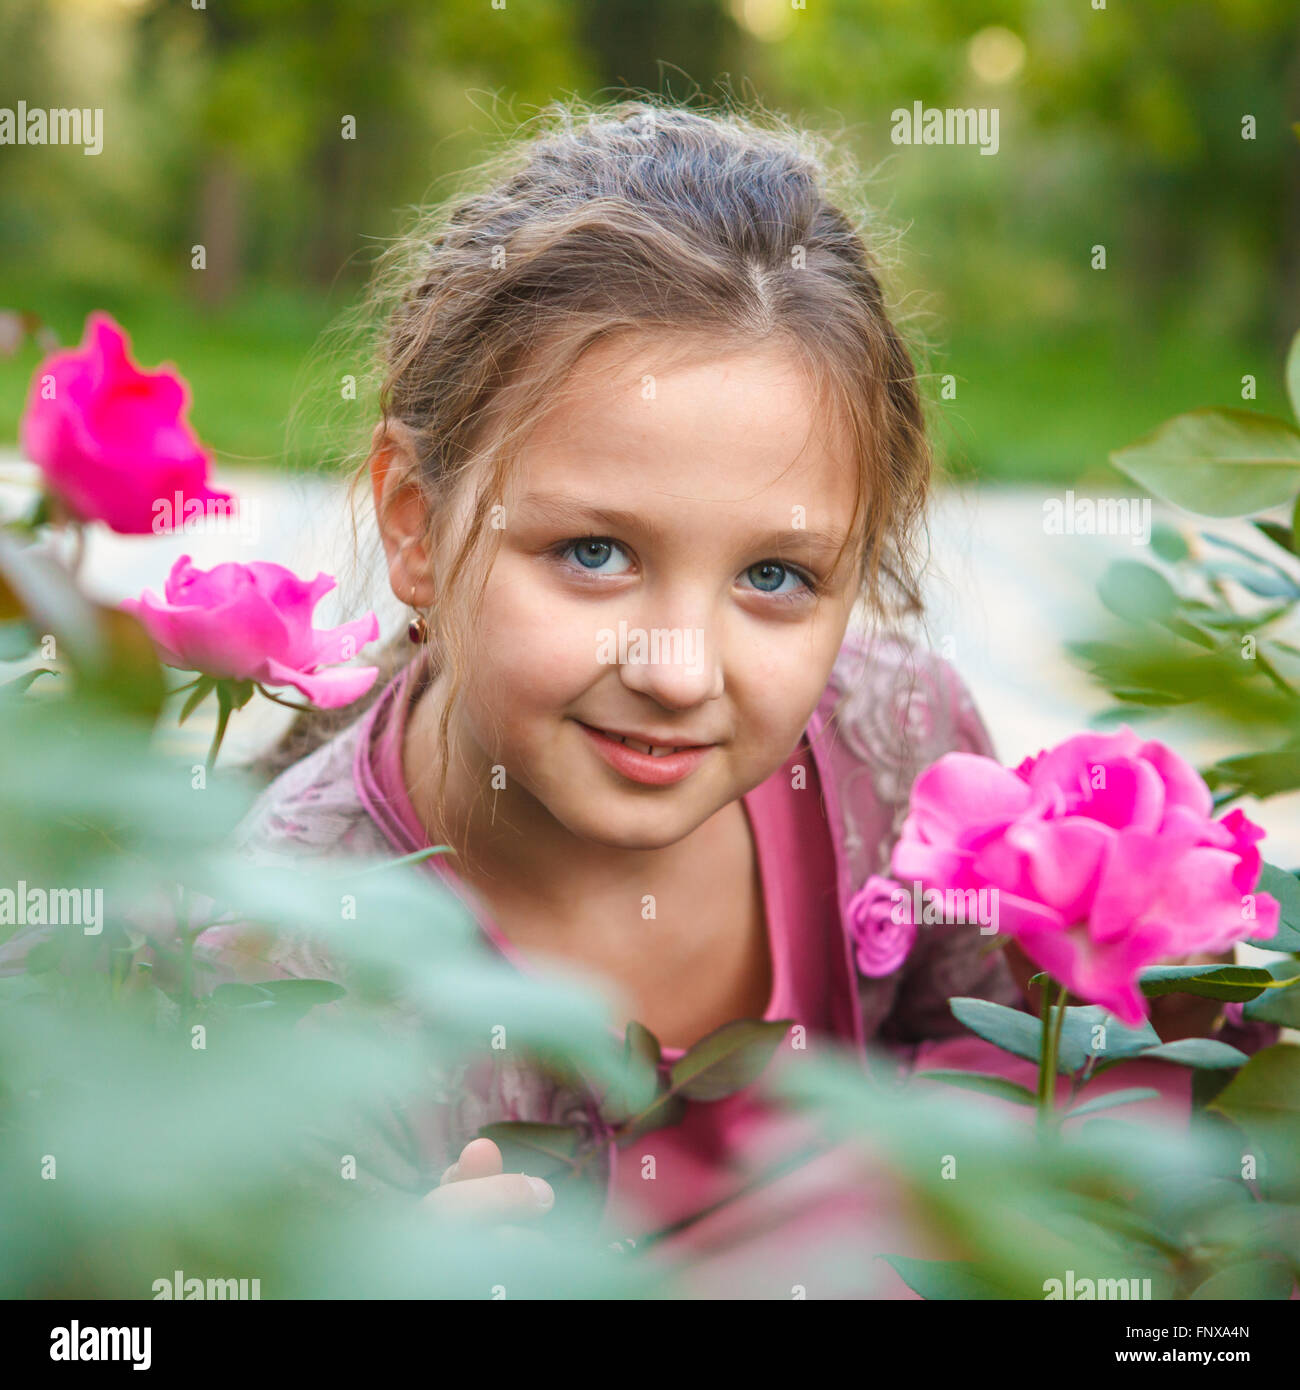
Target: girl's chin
{"points": [[631, 828]]}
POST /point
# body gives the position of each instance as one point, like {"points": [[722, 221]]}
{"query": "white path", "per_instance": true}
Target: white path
{"points": [[1004, 598]]}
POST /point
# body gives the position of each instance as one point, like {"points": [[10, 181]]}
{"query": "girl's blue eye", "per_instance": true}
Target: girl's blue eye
{"points": [[595, 554], [769, 577]]}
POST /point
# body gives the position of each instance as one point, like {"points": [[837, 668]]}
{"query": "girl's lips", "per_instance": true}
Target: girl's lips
{"points": [[644, 767]]}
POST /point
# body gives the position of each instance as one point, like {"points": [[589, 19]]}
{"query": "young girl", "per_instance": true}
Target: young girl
{"points": [[648, 437]]}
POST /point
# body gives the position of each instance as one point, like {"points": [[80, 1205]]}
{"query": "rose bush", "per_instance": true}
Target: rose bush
{"points": [[1104, 854]]}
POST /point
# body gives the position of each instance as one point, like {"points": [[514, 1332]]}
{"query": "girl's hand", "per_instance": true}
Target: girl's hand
{"points": [[475, 1187], [1173, 1016]]}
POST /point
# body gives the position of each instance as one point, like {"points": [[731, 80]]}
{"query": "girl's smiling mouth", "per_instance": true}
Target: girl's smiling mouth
{"points": [[641, 760]]}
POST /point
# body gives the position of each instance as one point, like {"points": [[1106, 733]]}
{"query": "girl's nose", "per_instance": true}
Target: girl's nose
{"points": [[677, 667]]}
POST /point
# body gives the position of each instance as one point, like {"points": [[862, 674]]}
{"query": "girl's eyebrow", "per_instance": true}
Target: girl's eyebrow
{"points": [[563, 510]]}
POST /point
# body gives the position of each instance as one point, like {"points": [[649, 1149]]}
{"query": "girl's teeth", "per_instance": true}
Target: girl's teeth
{"points": [[644, 747]]}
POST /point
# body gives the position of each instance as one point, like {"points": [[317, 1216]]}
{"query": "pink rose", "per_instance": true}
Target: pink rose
{"points": [[253, 623], [882, 935], [112, 440], [1104, 855]]}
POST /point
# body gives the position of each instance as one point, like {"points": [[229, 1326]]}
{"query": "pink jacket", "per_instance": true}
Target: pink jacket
{"points": [[888, 711]]}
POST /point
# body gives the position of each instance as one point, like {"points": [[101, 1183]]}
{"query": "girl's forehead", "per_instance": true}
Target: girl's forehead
{"points": [[655, 426]]}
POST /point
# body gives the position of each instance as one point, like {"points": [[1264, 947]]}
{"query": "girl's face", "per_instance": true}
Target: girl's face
{"points": [[666, 579]]}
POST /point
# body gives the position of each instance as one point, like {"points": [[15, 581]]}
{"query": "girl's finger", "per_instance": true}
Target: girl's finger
{"points": [[504, 1197], [480, 1158]]}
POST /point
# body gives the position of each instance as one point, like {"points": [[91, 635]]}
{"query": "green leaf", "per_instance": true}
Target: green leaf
{"points": [[1293, 376], [417, 856], [1125, 1097], [1256, 1280], [543, 1151], [1280, 1006], [944, 1279], [21, 684], [45, 955], [1205, 1053], [1258, 774], [17, 638], [1263, 1101], [983, 1082], [235, 693], [1168, 543], [636, 1088], [667, 1110], [238, 995], [1012, 1030], [290, 999], [1285, 888], [1234, 982], [729, 1059], [1116, 1042], [1278, 534], [1136, 592], [1217, 462], [200, 692]]}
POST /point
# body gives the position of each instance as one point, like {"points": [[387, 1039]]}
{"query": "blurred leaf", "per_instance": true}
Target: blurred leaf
{"points": [[16, 638], [998, 1086], [1293, 376], [1012, 1030], [1280, 1006], [1113, 1098], [1246, 553], [202, 689], [544, 1151], [1258, 581], [728, 1059], [668, 1110], [945, 1279], [45, 956], [1116, 1042], [1279, 535], [21, 684], [1196, 1052], [636, 1088], [1263, 1100], [1260, 1279], [1285, 888], [1217, 462], [1169, 543], [1257, 774], [1137, 592]]}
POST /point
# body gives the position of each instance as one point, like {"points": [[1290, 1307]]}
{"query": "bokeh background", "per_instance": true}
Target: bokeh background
{"points": [[1120, 126]]}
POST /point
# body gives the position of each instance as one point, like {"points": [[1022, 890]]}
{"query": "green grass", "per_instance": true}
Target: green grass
{"points": [[1040, 406], [1050, 408], [245, 363]]}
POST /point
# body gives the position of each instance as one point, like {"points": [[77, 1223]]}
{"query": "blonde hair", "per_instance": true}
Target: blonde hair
{"points": [[637, 217]]}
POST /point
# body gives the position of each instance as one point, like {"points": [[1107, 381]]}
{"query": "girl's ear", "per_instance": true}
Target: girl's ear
{"points": [[402, 513]]}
